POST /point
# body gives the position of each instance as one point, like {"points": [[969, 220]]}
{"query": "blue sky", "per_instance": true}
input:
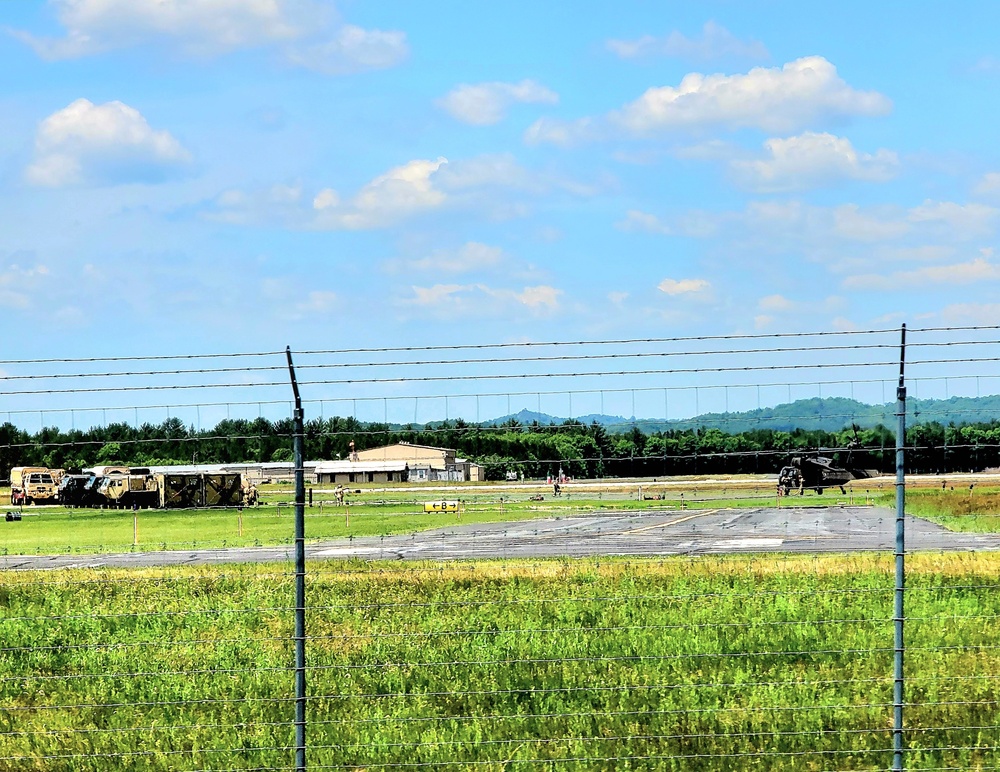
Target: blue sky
{"points": [[244, 174]]}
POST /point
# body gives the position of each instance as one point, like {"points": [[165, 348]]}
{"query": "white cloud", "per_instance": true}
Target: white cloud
{"points": [[777, 99], [811, 159], [539, 297], [495, 170], [850, 222], [793, 97], [484, 104], [203, 27], [924, 253], [980, 269], [458, 300], [562, 133], [716, 42], [306, 32], [111, 143], [971, 313], [972, 220], [675, 287], [486, 184], [842, 323], [776, 303], [352, 49], [400, 192], [20, 284], [988, 185], [643, 221]]}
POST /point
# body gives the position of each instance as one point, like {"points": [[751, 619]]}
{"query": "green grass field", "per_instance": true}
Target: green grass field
{"points": [[756, 663], [47, 530]]}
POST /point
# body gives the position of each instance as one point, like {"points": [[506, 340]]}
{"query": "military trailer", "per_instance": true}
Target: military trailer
{"points": [[197, 489], [33, 484]]}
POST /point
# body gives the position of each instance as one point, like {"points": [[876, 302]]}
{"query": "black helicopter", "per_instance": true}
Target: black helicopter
{"points": [[818, 472]]}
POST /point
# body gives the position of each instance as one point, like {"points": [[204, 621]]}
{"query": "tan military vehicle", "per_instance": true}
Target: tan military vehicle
{"points": [[33, 484], [136, 487]]}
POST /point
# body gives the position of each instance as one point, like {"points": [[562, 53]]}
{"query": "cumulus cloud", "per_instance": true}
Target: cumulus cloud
{"points": [[776, 99], [104, 144], [782, 99], [305, 32], [400, 192], [715, 42], [812, 159], [674, 287], [455, 300], [484, 104], [488, 184]]}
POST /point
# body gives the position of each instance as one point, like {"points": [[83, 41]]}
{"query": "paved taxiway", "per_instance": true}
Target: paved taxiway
{"points": [[673, 532]]}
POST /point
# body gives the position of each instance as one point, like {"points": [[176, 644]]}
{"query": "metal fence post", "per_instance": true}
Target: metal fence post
{"points": [[298, 442], [898, 682]]}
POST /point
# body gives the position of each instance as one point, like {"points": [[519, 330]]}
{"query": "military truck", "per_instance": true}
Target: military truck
{"points": [[137, 487], [33, 484], [78, 490]]}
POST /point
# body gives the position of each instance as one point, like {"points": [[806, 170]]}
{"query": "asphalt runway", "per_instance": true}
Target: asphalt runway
{"points": [[695, 532]]}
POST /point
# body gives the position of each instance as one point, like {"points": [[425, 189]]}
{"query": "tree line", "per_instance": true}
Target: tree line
{"points": [[536, 450]]}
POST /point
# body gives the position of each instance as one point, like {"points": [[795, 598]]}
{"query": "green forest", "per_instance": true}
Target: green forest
{"points": [[536, 450]]}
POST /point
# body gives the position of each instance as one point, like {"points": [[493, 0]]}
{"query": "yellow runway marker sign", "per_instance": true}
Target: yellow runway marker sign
{"points": [[440, 506]]}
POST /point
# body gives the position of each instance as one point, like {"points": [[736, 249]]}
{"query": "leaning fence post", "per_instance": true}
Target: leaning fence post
{"points": [[300, 575], [897, 692]]}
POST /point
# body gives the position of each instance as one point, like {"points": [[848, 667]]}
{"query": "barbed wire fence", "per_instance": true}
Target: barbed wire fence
{"points": [[667, 607]]}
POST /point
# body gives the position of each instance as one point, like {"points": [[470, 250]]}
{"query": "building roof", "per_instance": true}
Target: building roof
{"points": [[346, 467]]}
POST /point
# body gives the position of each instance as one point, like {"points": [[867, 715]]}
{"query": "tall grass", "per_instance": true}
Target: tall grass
{"points": [[716, 663]]}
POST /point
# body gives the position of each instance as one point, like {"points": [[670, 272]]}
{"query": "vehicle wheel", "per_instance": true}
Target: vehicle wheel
{"points": [[29, 501]]}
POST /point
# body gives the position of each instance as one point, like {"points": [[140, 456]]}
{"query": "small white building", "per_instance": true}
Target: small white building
{"points": [[362, 471]]}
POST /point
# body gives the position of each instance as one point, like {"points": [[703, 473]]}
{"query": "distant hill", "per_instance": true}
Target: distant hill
{"points": [[823, 413], [528, 417]]}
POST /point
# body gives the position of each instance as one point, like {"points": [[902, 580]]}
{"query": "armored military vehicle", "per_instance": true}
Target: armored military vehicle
{"points": [[33, 484]]}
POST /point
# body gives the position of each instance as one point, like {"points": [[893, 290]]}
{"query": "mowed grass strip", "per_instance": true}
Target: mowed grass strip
{"points": [[734, 662]]}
